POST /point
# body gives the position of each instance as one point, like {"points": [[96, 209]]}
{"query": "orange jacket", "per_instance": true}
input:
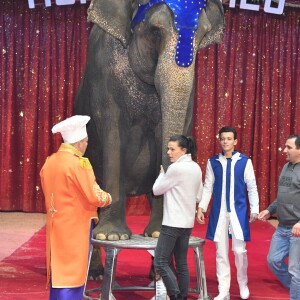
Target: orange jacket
{"points": [[72, 197]]}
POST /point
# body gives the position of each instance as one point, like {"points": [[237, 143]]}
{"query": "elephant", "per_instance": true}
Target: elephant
{"points": [[138, 89]]}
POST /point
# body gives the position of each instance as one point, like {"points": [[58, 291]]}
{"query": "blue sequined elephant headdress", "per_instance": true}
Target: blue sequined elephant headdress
{"points": [[186, 17]]}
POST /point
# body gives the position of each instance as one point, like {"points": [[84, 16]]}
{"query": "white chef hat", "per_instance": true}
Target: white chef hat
{"points": [[72, 129]]}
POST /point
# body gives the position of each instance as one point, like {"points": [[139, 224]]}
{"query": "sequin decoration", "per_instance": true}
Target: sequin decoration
{"points": [[186, 16]]}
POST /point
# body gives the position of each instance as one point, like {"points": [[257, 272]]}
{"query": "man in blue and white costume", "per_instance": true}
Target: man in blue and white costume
{"points": [[229, 175]]}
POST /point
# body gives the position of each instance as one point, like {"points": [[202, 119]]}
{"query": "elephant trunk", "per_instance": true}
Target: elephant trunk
{"points": [[173, 82], [175, 86]]}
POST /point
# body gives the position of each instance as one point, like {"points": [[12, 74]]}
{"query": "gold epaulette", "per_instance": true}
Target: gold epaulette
{"points": [[85, 163]]}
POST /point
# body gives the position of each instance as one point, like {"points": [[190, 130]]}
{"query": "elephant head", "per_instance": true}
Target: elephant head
{"points": [[162, 38]]}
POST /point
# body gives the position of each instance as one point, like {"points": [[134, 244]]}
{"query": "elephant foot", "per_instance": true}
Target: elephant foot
{"points": [[117, 237], [96, 269], [154, 234], [112, 232], [154, 226], [124, 237], [112, 237], [153, 229], [95, 278], [101, 237]]}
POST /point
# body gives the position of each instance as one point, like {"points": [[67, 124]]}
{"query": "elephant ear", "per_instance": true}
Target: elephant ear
{"points": [[215, 14], [113, 16]]}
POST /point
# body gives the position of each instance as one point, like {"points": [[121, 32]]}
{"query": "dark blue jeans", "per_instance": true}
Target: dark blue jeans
{"points": [[173, 241]]}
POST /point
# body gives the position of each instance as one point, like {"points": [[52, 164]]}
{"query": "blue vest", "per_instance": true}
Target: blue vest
{"points": [[240, 196]]}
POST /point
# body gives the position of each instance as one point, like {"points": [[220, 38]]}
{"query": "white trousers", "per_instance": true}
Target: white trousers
{"points": [[222, 259]]}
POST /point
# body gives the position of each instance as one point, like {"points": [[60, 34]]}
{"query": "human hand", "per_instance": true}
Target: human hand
{"points": [[296, 230], [264, 215], [200, 216], [161, 169], [253, 217]]}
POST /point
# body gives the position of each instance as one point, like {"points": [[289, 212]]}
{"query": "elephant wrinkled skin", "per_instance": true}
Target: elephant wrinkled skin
{"points": [[137, 97]]}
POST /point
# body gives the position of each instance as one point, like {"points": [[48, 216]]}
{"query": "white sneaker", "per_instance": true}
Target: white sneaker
{"points": [[160, 291], [223, 296], [244, 292]]}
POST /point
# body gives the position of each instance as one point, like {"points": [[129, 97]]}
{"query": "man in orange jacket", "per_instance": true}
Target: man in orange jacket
{"points": [[72, 196]]}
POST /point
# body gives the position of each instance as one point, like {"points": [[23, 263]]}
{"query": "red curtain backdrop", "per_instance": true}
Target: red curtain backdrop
{"points": [[43, 54], [250, 81]]}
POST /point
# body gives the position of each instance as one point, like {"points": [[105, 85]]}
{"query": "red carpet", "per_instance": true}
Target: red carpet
{"points": [[23, 274]]}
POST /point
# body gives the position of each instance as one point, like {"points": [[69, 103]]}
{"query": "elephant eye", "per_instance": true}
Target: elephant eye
{"points": [[155, 31]]}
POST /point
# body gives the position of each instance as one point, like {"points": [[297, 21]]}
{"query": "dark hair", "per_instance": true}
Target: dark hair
{"points": [[297, 139], [228, 129], [185, 142]]}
